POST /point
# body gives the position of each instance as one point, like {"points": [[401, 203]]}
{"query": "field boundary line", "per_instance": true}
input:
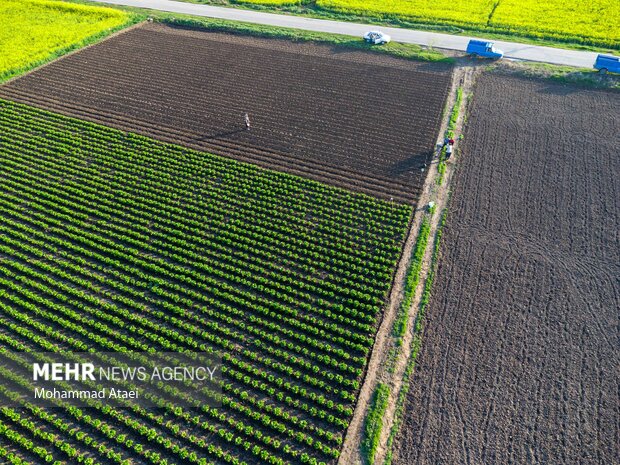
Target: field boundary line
{"points": [[464, 79], [377, 370]]}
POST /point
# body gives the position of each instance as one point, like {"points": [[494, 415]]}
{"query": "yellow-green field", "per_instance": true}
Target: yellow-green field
{"points": [[35, 31], [273, 2], [593, 22], [588, 22], [437, 11]]}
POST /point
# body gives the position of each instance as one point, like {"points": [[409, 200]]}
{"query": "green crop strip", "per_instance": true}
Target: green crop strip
{"points": [[111, 241], [412, 279], [374, 422]]}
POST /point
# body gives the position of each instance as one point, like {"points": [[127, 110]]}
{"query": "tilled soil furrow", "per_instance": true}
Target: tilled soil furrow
{"points": [[359, 121], [519, 355], [339, 178]]}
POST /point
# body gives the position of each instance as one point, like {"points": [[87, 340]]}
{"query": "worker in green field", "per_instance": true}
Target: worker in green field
{"points": [[247, 121]]}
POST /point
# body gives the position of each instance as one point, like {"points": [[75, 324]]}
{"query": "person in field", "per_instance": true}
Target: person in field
{"points": [[448, 151], [448, 144], [247, 121]]}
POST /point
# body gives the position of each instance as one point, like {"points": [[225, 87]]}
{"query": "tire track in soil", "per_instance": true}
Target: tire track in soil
{"points": [[523, 323]]}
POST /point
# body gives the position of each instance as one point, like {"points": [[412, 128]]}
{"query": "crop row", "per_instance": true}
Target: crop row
{"points": [[111, 242]]}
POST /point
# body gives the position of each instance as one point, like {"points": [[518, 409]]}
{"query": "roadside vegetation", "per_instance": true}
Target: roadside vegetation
{"points": [[409, 51], [563, 74], [33, 32]]}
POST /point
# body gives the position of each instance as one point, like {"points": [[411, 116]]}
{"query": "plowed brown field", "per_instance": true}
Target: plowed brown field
{"points": [[520, 358], [357, 120]]}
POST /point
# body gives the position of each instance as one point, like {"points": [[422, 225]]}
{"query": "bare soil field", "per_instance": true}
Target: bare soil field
{"points": [[519, 361], [357, 120]]}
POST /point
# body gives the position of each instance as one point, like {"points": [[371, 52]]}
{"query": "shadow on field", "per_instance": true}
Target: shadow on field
{"points": [[414, 163], [219, 135]]}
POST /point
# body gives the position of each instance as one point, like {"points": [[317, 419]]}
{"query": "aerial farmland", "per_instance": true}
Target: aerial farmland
{"points": [[227, 243], [530, 266]]}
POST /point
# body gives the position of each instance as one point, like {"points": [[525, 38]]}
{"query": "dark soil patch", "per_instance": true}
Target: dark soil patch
{"points": [[352, 119], [520, 355]]}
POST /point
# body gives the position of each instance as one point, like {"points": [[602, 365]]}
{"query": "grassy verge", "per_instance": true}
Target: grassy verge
{"points": [[564, 74], [408, 51], [374, 424], [454, 116], [310, 9], [416, 343], [412, 279], [372, 431]]}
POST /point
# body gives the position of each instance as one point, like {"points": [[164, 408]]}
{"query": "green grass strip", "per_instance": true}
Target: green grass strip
{"points": [[412, 279], [454, 117], [455, 112], [374, 424], [400, 50], [416, 343]]}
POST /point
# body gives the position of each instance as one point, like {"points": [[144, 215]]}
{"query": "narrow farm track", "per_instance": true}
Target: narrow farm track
{"points": [[379, 368], [353, 120], [519, 361], [113, 241]]}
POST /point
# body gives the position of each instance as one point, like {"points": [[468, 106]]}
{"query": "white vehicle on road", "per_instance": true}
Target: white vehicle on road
{"points": [[377, 38]]}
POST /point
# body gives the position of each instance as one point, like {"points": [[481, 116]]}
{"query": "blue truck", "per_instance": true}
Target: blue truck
{"points": [[483, 49], [606, 63]]}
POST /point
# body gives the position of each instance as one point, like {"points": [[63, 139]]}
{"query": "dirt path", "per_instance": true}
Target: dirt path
{"points": [[463, 76]]}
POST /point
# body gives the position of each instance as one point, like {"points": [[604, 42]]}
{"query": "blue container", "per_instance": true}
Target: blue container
{"points": [[606, 63], [483, 49]]}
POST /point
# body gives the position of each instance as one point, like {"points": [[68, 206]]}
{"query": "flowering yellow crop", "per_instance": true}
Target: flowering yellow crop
{"points": [[589, 21], [34, 31], [272, 2], [595, 22], [436, 11]]}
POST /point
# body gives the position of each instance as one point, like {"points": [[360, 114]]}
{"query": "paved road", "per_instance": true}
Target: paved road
{"points": [[511, 49]]}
